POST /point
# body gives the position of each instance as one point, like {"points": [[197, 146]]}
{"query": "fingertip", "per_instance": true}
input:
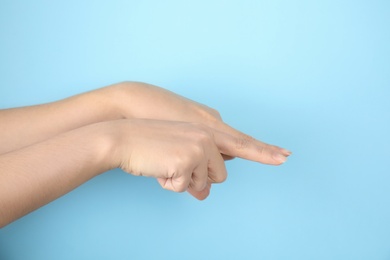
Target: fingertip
{"points": [[271, 156], [200, 195], [279, 158], [285, 152]]}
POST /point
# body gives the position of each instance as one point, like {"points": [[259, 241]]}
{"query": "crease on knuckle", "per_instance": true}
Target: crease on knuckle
{"points": [[261, 150], [177, 182], [241, 143], [180, 184], [220, 178], [196, 185]]}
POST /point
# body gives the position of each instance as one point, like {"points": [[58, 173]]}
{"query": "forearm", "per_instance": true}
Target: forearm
{"points": [[33, 176], [24, 126]]}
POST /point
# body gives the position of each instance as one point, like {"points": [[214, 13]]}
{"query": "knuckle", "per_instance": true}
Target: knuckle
{"points": [[215, 113], [175, 183], [199, 182], [180, 188], [208, 114], [195, 153], [244, 141], [260, 150], [180, 184], [198, 186], [201, 134], [241, 143], [264, 149], [184, 162], [220, 178]]}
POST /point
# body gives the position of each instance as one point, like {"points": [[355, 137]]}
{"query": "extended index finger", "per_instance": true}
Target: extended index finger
{"points": [[234, 143]]}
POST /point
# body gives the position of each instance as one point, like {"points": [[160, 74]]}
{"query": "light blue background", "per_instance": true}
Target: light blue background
{"points": [[311, 76]]}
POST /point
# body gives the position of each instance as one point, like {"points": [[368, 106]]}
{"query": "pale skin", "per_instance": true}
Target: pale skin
{"points": [[48, 150]]}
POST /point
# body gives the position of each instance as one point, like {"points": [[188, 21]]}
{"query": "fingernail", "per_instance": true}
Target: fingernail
{"points": [[286, 152], [279, 157]]}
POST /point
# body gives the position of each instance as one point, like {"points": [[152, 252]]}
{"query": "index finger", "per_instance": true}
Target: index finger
{"points": [[233, 143]]}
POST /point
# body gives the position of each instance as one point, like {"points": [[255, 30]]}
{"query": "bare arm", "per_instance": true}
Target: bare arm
{"points": [[24, 126], [35, 175]]}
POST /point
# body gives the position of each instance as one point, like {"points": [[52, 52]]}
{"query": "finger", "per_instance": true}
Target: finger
{"points": [[216, 166], [285, 152], [199, 176], [176, 184], [200, 195], [227, 157], [247, 148], [235, 133]]}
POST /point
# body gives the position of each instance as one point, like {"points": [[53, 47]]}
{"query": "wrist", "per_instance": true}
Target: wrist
{"points": [[123, 97], [98, 141], [108, 102], [111, 140], [116, 97]]}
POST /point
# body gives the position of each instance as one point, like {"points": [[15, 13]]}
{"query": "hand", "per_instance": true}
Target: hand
{"points": [[140, 100], [182, 156]]}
